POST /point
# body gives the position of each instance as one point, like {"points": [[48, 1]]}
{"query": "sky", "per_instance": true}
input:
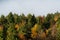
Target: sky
{"points": [[36, 7]]}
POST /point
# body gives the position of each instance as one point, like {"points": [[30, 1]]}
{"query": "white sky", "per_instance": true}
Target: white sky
{"points": [[37, 7]]}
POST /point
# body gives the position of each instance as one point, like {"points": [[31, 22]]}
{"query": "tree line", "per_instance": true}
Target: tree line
{"points": [[30, 27]]}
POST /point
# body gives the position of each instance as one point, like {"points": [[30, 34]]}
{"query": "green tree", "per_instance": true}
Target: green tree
{"points": [[16, 19], [49, 17], [11, 32], [10, 18], [31, 20], [3, 20]]}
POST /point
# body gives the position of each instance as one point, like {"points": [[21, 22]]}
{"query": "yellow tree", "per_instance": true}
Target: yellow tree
{"points": [[35, 30]]}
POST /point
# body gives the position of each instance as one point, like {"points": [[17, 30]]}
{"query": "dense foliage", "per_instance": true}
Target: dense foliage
{"points": [[30, 27]]}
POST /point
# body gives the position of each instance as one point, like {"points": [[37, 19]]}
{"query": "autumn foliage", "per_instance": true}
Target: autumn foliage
{"points": [[30, 27]]}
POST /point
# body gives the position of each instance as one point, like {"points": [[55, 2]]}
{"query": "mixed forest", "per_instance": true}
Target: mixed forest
{"points": [[30, 27]]}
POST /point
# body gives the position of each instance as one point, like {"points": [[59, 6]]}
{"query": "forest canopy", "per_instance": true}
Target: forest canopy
{"points": [[30, 27]]}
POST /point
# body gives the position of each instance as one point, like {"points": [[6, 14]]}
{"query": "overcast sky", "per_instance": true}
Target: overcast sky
{"points": [[37, 7]]}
